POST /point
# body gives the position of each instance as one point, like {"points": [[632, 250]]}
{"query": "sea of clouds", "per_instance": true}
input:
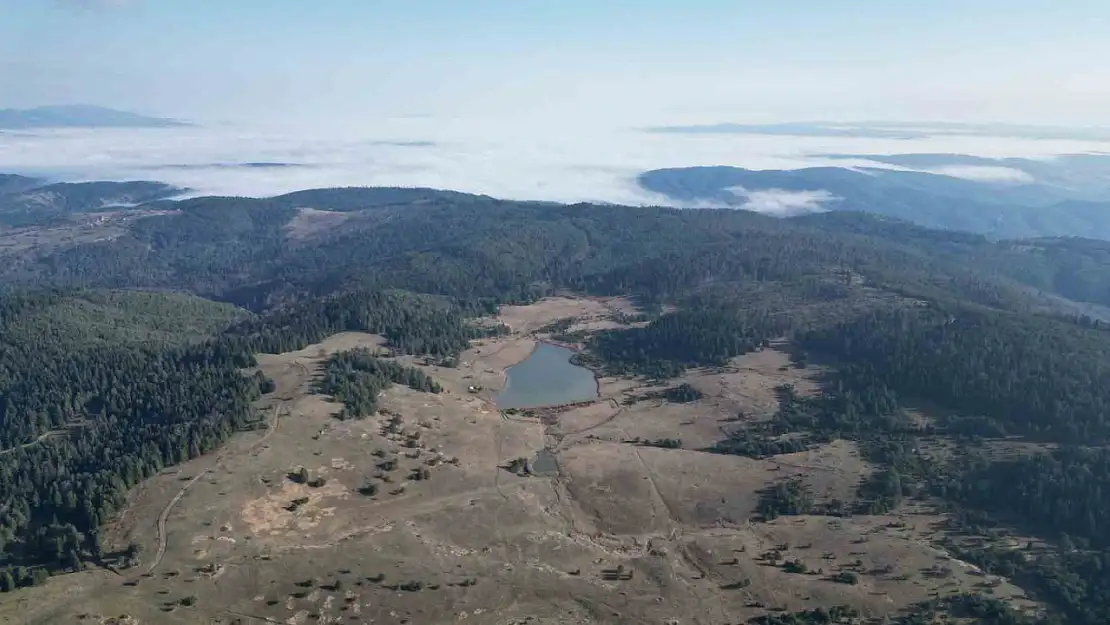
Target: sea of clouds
{"points": [[535, 161]]}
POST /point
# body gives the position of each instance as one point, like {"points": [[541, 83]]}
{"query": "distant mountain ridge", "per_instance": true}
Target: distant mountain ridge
{"points": [[30, 201], [890, 130], [11, 183], [1041, 206], [80, 116]]}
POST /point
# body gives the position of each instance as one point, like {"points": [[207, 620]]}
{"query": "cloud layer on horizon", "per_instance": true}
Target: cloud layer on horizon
{"points": [[566, 164]]}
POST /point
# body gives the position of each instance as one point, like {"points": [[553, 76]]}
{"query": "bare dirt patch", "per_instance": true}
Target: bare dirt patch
{"points": [[310, 223], [596, 325], [273, 514]]}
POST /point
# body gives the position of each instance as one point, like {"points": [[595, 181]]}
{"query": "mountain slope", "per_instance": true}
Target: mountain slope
{"points": [[11, 183], [1074, 268], [107, 318]]}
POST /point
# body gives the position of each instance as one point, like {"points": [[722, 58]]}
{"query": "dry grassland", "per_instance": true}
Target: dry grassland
{"points": [[623, 533]]}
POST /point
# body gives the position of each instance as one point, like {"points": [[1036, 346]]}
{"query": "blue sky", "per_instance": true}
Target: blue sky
{"points": [[640, 61]]}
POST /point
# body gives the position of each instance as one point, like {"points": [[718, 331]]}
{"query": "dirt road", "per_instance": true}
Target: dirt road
{"points": [[38, 440], [165, 515]]}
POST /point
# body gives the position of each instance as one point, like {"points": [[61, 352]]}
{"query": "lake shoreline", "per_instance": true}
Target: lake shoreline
{"points": [[540, 386], [578, 350]]}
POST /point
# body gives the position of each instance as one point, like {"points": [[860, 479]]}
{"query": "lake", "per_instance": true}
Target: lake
{"points": [[547, 378]]}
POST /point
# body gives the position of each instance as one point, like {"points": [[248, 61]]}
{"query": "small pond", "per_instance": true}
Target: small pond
{"points": [[547, 378], [545, 464]]}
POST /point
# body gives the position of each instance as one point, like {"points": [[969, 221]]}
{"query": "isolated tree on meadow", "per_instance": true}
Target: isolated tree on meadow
{"points": [[7, 582]]}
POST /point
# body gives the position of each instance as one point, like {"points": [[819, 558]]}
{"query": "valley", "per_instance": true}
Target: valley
{"points": [[620, 532]]}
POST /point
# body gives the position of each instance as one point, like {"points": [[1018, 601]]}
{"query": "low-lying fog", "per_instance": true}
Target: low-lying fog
{"points": [[558, 162]]}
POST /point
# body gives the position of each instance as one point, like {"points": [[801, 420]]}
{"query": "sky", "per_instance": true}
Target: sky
{"points": [[535, 99], [567, 62]]}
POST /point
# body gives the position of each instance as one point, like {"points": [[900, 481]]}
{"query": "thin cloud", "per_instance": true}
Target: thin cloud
{"points": [[95, 5], [983, 173], [784, 203]]}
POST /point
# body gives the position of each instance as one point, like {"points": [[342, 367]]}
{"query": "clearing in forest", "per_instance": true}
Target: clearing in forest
{"points": [[425, 513]]}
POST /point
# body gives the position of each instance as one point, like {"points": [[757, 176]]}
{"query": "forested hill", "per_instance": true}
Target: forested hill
{"points": [[116, 359], [28, 202], [253, 252], [1072, 267]]}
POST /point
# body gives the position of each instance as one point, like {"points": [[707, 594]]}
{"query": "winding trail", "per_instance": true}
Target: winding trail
{"points": [[165, 516], [275, 416], [280, 407], [304, 370]]}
